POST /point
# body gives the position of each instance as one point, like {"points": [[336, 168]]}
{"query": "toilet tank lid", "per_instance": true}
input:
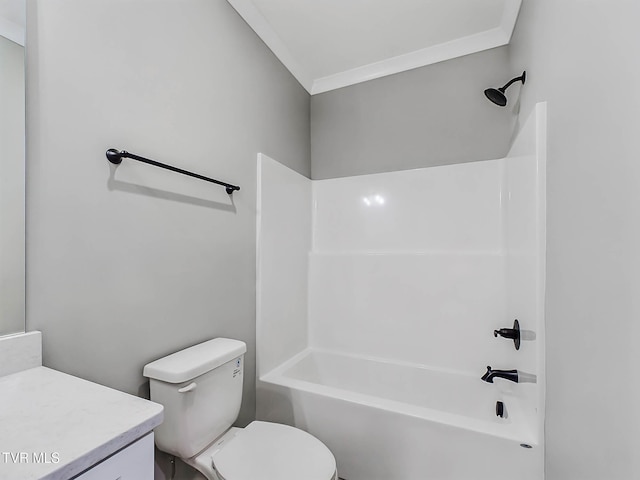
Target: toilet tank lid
{"points": [[194, 361]]}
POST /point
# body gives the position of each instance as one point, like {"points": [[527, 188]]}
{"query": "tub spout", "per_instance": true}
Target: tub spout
{"points": [[511, 375]]}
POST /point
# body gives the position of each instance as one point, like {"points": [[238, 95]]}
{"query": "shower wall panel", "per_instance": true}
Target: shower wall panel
{"points": [[410, 266], [435, 309], [284, 240], [454, 208]]}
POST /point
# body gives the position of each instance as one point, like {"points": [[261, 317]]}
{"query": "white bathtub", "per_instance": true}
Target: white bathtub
{"points": [[393, 421]]}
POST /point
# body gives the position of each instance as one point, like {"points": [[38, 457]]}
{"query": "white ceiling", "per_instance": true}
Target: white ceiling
{"points": [[329, 44]]}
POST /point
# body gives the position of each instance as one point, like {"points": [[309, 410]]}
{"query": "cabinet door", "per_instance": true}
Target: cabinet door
{"points": [[135, 462]]}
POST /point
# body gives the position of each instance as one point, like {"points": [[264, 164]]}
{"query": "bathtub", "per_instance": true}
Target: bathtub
{"points": [[390, 420]]}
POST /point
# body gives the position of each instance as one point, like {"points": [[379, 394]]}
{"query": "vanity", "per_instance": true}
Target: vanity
{"points": [[56, 426]]}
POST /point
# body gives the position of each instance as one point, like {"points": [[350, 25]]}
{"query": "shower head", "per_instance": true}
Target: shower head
{"points": [[497, 96]]}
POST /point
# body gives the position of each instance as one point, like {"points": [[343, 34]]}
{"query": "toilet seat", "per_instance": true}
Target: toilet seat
{"points": [[272, 451]]}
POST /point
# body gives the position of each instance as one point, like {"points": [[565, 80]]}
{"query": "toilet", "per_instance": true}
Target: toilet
{"points": [[201, 391]]}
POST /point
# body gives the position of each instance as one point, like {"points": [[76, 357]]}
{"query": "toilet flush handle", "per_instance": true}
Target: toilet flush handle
{"points": [[188, 388]]}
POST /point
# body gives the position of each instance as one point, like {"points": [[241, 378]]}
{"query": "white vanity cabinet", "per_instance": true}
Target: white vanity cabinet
{"points": [[134, 462], [86, 431]]}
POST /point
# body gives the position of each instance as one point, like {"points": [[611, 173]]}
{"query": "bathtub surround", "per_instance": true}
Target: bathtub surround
{"points": [[572, 49], [135, 261], [284, 209], [409, 274], [409, 266]]}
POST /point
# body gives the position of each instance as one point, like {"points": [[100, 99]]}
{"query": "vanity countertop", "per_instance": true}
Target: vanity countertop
{"points": [[46, 415]]}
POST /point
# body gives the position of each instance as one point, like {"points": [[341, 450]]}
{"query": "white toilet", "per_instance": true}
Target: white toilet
{"points": [[201, 390]]}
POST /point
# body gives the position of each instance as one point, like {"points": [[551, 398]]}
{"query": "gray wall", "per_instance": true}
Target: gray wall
{"points": [[577, 53], [434, 115], [127, 265]]}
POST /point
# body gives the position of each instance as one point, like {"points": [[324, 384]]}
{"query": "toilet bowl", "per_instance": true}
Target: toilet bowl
{"points": [[268, 451], [201, 390]]}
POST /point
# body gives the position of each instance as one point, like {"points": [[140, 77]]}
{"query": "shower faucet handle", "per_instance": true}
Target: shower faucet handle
{"points": [[510, 333]]}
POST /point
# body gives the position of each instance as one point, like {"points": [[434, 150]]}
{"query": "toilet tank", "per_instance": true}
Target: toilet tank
{"points": [[200, 388]]}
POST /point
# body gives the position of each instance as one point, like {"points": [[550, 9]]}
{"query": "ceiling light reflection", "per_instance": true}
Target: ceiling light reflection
{"points": [[374, 200]]}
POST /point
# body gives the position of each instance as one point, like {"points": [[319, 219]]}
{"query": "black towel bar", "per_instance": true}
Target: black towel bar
{"points": [[116, 156]]}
